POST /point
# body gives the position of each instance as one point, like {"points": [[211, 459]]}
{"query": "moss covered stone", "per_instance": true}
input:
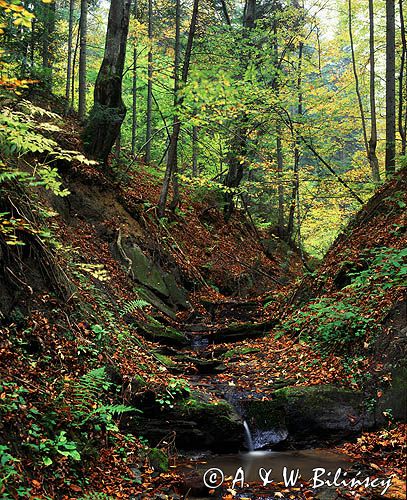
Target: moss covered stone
{"points": [[158, 459], [158, 332]]}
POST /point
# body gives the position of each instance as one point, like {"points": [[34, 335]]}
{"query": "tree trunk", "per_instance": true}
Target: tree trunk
{"points": [[82, 59], [238, 148], [147, 156], [374, 162], [32, 45], [402, 119], [195, 172], [109, 111], [177, 55], [172, 150], [69, 60], [280, 186], [75, 54], [49, 29], [134, 93], [355, 74], [296, 181], [390, 89]]}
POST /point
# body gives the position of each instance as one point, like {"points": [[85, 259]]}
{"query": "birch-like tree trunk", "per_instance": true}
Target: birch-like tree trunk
{"points": [[390, 89], [83, 26], [147, 155], [172, 150]]}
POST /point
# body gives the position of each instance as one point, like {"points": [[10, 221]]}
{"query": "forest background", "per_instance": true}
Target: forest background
{"points": [[292, 112]]}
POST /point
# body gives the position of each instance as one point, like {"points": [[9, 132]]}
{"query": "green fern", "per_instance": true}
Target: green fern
{"points": [[88, 389], [133, 305], [87, 393]]}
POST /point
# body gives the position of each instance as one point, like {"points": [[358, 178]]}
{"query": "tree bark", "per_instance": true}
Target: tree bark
{"points": [[147, 155], [109, 111], [195, 172], [172, 150], [69, 60], [177, 56], [402, 117], [390, 89], [75, 54], [374, 162], [83, 26], [134, 93], [296, 180], [238, 148], [49, 29]]}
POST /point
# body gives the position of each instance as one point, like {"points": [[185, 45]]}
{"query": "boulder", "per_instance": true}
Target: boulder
{"points": [[195, 423], [305, 414]]}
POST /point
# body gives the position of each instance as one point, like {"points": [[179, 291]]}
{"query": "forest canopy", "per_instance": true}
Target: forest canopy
{"points": [[293, 112]]}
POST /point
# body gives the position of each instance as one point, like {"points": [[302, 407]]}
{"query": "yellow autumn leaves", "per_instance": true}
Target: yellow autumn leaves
{"points": [[22, 17]]}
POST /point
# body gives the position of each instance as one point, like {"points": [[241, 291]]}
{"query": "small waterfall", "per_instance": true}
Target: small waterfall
{"points": [[248, 436]]}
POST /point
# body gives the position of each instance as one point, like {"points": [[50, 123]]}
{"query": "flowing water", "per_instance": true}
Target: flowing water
{"points": [[248, 437]]}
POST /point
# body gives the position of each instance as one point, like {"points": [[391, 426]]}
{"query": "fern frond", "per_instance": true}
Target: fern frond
{"points": [[133, 305]]}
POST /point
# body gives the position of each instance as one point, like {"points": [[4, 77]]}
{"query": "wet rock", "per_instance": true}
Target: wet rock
{"points": [[156, 331], [195, 424], [302, 415], [158, 460], [323, 409]]}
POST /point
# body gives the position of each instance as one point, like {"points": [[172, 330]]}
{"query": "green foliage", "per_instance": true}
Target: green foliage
{"points": [[329, 323], [88, 405], [176, 389], [24, 129], [7, 466], [388, 268], [47, 448]]}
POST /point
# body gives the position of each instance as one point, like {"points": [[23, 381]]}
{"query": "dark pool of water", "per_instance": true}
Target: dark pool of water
{"points": [[251, 462]]}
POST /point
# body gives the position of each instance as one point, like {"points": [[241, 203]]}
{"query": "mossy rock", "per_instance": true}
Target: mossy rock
{"points": [[197, 424], [158, 460], [395, 398], [158, 332], [323, 409], [263, 415], [155, 279]]}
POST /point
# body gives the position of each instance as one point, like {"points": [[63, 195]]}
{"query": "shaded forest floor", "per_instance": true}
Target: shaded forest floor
{"points": [[86, 339]]}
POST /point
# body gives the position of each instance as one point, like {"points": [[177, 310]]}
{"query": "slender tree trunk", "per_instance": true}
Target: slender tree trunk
{"points": [[374, 162], [32, 45], [134, 93], [296, 181], [225, 12], [172, 150], [69, 56], [82, 59], [49, 30], [177, 56], [280, 186], [279, 147], [147, 156], [109, 111], [402, 117], [75, 55], [195, 172], [355, 74], [390, 89]]}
